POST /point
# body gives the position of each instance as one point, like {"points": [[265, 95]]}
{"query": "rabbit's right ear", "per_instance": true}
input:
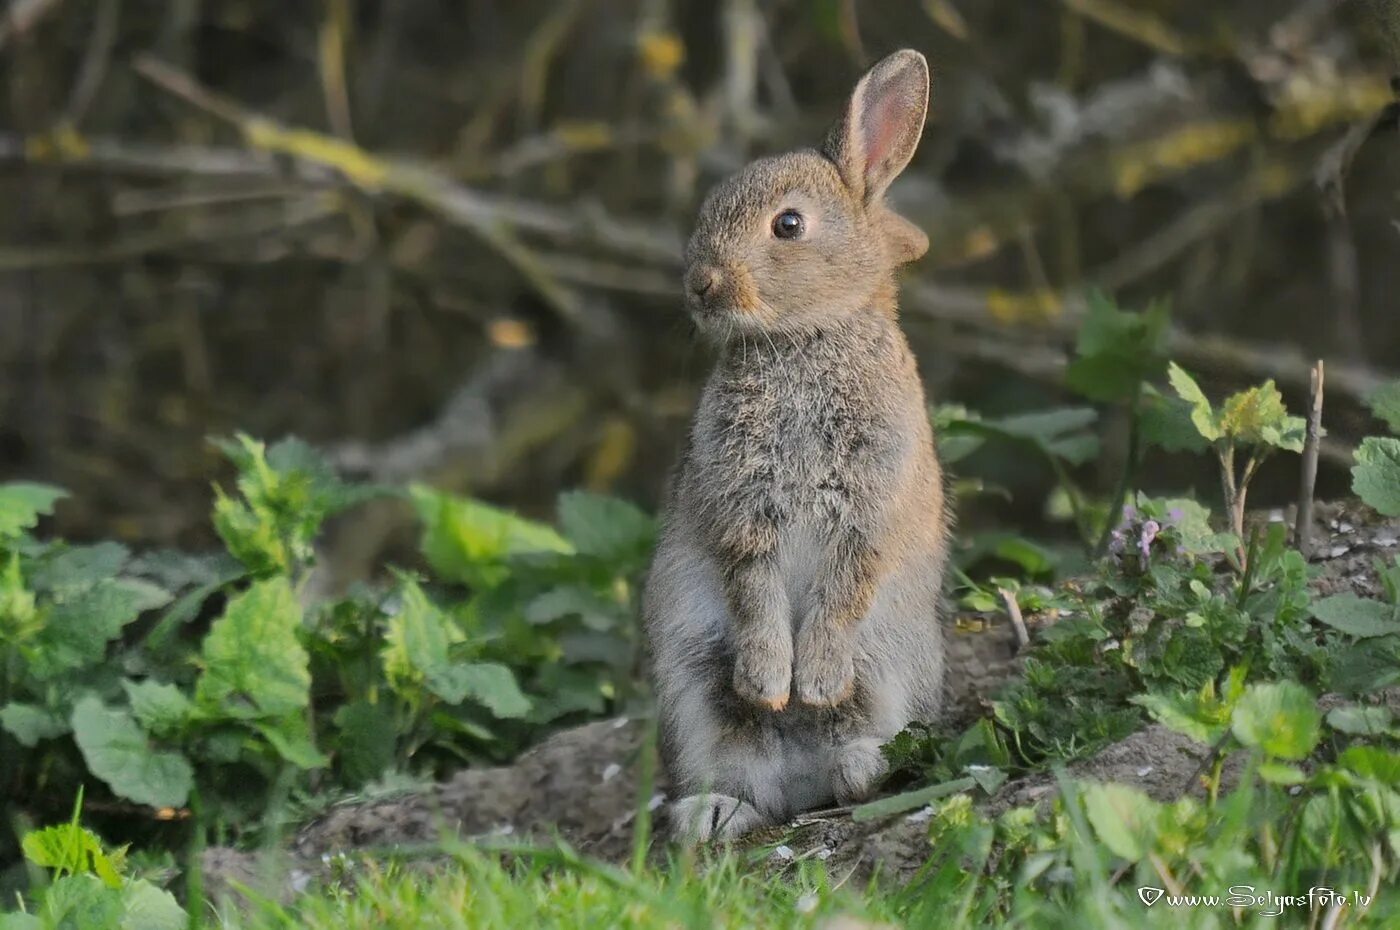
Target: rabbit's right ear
{"points": [[874, 141]]}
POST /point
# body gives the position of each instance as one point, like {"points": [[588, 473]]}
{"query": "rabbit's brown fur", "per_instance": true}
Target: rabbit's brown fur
{"points": [[791, 607]]}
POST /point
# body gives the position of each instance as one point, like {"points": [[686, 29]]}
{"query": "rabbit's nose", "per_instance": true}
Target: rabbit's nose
{"points": [[703, 279]]}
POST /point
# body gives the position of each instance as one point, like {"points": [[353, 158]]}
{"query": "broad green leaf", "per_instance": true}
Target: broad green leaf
{"points": [[69, 847], [1187, 713], [18, 920], [30, 723], [1257, 416], [119, 752], [77, 628], [1360, 720], [1385, 404], [1361, 617], [1372, 763], [366, 740], [290, 737], [1280, 718], [147, 907], [1166, 422], [1124, 819], [491, 685], [250, 537], [1202, 414], [163, 709], [254, 664], [287, 492], [953, 446], [564, 601], [1376, 476], [78, 566], [1367, 665], [605, 527], [417, 642], [82, 902], [1059, 432], [23, 503], [1117, 351], [1281, 773], [468, 541]]}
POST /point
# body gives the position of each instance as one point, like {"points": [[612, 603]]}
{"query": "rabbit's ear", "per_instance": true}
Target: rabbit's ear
{"points": [[876, 138]]}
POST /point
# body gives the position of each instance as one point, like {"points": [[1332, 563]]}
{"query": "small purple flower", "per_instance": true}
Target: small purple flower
{"points": [[1117, 542], [1129, 513], [1175, 515], [1149, 533]]}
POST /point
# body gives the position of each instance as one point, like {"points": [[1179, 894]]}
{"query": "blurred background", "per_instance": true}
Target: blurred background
{"points": [[440, 238]]}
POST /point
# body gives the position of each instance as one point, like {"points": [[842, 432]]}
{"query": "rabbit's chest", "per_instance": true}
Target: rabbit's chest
{"points": [[792, 441]]}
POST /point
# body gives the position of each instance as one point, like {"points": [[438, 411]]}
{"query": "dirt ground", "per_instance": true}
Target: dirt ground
{"points": [[584, 785]]}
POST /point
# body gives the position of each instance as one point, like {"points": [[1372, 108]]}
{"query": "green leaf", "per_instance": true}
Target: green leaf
{"points": [[1117, 351], [1257, 416], [287, 492], [1367, 665], [1190, 713], [1202, 414], [1280, 718], [1376, 476], [491, 685], [82, 902], [468, 542], [70, 848], [1124, 819], [147, 907], [417, 642], [162, 709], [250, 537], [119, 752], [77, 628], [1281, 773], [292, 741], [594, 611], [18, 920], [1166, 422], [254, 664], [78, 566], [606, 527], [22, 504], [1361, 617], [1385, 404], [1059, 432], [29, 723], [910, 800], [1360, 720], [366, 740], [1372, 763]]}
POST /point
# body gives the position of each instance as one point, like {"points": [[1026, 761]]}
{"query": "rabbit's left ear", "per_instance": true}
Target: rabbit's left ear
{"points": [[875, 139]]}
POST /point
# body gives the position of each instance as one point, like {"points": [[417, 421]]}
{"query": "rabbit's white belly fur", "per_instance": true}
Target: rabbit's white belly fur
{"points": [[785, 761]]}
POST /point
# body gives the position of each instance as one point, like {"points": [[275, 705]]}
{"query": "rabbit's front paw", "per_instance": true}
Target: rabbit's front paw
{"points": [[824, 667], [763, 670]]}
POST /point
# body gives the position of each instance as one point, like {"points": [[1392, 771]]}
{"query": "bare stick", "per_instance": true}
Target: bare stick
{"points": [[1302, 530], [1018, 622]]}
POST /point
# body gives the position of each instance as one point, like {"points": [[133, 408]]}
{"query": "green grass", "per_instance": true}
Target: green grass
{"points": [[551, 889], [734, 890]]}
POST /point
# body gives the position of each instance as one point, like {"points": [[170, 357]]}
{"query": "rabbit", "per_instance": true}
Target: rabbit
{"points": [[791, 607]]}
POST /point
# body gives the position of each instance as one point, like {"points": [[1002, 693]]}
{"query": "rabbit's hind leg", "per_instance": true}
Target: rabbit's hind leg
{"points": [[860, 766]]}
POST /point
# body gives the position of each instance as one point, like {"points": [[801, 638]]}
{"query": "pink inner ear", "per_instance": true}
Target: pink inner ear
{"points": [[879, 126]]}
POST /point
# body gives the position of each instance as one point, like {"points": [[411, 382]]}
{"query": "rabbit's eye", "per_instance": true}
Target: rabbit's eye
{"points": [[789, 225]]}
